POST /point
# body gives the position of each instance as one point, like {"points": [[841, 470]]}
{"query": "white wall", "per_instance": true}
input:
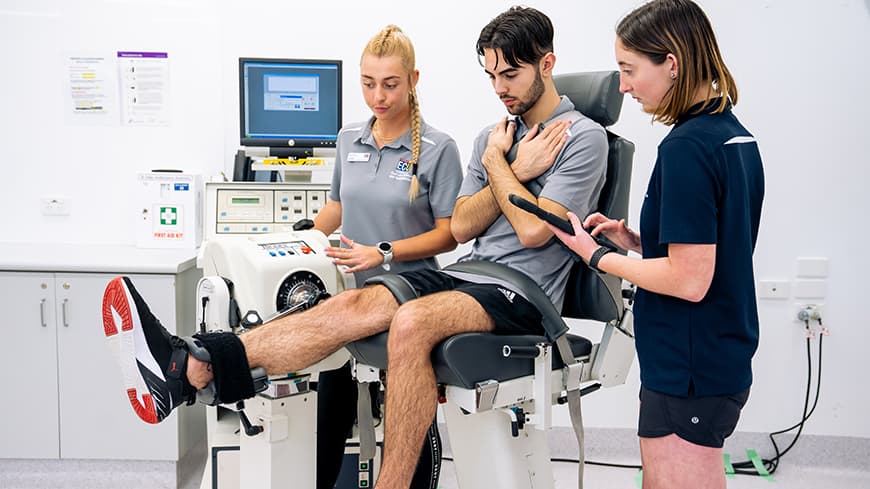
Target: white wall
{"points": [[801, 67]]}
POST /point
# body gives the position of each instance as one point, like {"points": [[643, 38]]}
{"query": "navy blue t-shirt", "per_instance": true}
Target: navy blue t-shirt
{"points": [[706, 188]]}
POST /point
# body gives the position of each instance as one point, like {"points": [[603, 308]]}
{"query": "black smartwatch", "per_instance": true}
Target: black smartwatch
{"points": [[596, 257]]}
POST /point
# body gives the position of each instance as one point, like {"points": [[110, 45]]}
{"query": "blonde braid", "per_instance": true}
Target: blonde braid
{"points": [[392, 41], [416, 138]]}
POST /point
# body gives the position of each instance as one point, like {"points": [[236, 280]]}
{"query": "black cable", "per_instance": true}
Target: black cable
{"points": [[601, 464], [772, 464], [806, 415], [575, 461]]}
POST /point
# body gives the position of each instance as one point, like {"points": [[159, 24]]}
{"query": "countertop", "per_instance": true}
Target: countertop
{"points": [[61, 257]]}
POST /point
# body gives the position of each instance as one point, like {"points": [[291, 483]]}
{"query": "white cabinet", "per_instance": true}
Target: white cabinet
{"points": [[62, 392], [28, 367]]}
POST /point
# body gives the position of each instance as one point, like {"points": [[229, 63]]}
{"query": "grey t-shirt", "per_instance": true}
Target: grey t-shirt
{"points": [[574, 181], [372, 186]]}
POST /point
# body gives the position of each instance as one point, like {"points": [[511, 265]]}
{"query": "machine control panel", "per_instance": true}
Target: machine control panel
{"points": [[247, 206], [287, 248], [259, 208]]}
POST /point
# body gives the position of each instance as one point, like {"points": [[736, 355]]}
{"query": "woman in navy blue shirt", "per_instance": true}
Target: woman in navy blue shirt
{"points": [[696, 320]]}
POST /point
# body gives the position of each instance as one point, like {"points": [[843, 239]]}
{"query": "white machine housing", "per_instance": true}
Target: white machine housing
{"points": [[260, 264], [265, 271]]}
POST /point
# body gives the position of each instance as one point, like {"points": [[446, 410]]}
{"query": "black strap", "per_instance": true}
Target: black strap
{"points": [[596, 257]]}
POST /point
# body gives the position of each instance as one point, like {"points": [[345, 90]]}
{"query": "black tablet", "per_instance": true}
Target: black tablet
{"points": [[549, 217]]}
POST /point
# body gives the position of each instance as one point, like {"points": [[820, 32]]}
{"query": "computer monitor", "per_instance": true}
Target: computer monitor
{"points": [[289, 103]]}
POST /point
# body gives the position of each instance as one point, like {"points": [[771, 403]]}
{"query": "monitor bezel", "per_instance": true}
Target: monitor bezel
{"points": [[280, 142]]}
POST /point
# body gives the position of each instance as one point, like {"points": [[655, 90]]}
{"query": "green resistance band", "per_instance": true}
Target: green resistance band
{"points": [[729, 469], [758, 464]]}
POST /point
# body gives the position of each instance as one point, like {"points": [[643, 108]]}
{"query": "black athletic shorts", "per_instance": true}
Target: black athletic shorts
{"points": [[705, 421], [510, 311]]}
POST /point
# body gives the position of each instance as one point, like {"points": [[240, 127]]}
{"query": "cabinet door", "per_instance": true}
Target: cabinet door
{"points": [[96, 419], [28, 366]]}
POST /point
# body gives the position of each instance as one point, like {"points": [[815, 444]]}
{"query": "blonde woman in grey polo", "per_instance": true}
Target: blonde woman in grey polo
{"points": [[371, 186], [393, 189], [396, 178]]}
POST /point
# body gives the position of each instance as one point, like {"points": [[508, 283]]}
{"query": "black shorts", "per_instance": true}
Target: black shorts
{"points": [[705, 421], [510, 311]]}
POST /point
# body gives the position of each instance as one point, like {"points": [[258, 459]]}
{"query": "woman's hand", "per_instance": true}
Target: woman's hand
{"points": [[356, 256], [581, 243], [616, 231]]}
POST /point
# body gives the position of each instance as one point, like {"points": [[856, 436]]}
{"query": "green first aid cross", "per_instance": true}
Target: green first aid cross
{"points": [[168, 216]]}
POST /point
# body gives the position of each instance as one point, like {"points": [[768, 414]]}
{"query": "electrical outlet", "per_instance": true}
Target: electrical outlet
{"points": [[55, 206], [808, 312]]}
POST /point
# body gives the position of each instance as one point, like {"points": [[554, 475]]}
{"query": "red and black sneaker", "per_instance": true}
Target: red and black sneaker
{"points": [[153, 361]]}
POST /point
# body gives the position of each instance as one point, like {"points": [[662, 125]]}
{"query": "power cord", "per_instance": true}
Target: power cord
{"points": [[773, 463]]}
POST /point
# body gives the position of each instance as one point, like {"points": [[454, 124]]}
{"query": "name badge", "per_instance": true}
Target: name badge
{"points": [[353, 157]]}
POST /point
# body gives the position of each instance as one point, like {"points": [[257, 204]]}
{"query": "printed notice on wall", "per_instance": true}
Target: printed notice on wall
{"points": [[144, 80], [90, 89]]}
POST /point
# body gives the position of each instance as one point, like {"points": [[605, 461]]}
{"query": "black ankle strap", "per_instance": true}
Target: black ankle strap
{"points": [[232, 374]]}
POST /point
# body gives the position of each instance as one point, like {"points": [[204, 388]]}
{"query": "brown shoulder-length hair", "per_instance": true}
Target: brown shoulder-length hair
{"points": [[681, 28]]}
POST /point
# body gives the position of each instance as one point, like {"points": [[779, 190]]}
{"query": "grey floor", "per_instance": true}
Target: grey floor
{"points": [[817, 462], [786, 476], [91, 475]]}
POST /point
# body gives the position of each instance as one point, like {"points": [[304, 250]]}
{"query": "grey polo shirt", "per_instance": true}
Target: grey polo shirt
{"points": [[372, 186], [574, 181]]}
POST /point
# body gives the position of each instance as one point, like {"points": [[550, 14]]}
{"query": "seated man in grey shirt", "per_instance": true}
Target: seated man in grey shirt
{"points": [[560, 166]]}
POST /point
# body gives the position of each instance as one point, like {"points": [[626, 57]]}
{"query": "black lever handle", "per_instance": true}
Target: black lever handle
{"points": [[250, 430], [509, 351]]}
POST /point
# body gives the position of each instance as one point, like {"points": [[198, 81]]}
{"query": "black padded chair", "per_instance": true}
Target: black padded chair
{"points": [[470, 360]]}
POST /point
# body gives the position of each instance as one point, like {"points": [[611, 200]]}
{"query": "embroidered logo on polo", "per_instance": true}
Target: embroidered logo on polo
{"points": [[402, 170]]}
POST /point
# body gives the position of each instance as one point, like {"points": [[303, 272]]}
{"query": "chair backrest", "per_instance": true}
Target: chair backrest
{"points": [[590, 295]]}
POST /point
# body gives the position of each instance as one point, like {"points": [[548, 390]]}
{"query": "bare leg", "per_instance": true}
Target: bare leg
{"points": [[412, 394], [669, 462], [299, 340]]}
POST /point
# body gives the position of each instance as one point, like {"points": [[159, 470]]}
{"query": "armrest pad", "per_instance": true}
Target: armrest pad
{"points": [[398, 286]]}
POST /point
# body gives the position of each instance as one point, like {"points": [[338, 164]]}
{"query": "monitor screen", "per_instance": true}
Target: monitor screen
{"points": [[289, 102]]}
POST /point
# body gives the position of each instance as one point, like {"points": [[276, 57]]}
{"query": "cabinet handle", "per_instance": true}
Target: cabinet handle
{"points": [[63, 310], [42, 313]]}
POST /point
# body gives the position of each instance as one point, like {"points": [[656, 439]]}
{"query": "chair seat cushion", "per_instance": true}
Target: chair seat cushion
{"points": [[466, 359]]}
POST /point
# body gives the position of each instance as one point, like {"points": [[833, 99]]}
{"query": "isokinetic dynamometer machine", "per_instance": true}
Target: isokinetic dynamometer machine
{"points": [[498, 390], [270, 440]]}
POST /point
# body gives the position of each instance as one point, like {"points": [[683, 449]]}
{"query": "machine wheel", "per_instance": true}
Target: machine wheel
{"points": [[300, 288]]}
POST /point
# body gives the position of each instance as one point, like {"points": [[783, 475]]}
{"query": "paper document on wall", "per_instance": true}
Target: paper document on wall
{"points": [[144, 88], [90, 89]]}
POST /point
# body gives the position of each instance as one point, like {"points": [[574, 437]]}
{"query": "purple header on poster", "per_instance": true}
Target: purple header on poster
{"points": [[139, 54]]}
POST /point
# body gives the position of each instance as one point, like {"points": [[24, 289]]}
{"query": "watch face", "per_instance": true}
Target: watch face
{"points": [[385, 247]]}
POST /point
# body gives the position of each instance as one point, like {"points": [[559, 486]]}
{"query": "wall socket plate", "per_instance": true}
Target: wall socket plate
{"points": [[812, 267], [810, 288], [773, 289], [55, 206]]}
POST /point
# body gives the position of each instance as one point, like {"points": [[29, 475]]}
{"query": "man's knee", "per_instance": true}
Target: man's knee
{"points": [[364, 297], [408, 329]]}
